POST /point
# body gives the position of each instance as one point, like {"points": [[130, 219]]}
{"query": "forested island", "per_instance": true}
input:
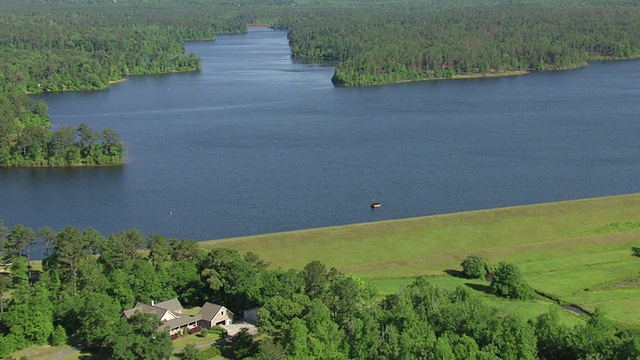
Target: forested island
{"points": [[26, 138], [87, 280]]}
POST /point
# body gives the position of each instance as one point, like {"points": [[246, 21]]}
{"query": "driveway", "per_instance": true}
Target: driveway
{"points": [[234, 328]]}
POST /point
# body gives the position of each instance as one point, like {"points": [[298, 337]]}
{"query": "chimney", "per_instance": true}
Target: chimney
{"points": [[152, 303]]}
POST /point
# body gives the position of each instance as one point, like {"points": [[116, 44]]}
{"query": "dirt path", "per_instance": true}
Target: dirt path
{"points": [[63, 353]]}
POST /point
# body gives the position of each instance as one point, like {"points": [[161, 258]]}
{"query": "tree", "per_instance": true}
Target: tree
{"points": [[122, 248], [296, 340], [347, 296], [231, 279], [98, 319], [316, 279], [46, 235], [20, 270], [88, 140], [5, 284], [242, 345], [553, 338], [3, 236], [186, 250], [256, 263], [276, 314], [58, 336], [30, 314], [69, 249], [190, 352], [159, 249], [18, 241], [138, 338], [268, 350], [473, 267], [508, 282], [111, 144]]}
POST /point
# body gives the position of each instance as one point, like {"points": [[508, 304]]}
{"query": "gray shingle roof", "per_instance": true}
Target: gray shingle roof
{"points": [[172, 304], [179, 322], [209, 311], [144, 308]]}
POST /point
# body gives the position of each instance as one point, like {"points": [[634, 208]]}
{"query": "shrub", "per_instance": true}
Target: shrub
{"points": [[636, 250], [58, 336], [474, 267], [508, 282]]}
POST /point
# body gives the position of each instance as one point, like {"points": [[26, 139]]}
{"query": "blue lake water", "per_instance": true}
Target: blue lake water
{"points": [[257, 143]]}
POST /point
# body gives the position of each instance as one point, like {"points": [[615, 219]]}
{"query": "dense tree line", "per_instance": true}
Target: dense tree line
{"points": [[27, 140], [383, 44], [51, 47], [314, 313], [48, 47]]}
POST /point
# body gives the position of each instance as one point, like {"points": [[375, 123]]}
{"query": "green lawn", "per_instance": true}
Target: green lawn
{"points": [[567, 249], [195, 340]]}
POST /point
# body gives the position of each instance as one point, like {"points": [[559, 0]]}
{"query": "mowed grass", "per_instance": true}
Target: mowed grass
{"points": [[566, 249]]}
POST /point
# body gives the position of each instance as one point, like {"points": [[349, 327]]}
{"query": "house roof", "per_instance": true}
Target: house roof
{"points": [[178, 322], [147, 309], [172, 304], [209, 311]]}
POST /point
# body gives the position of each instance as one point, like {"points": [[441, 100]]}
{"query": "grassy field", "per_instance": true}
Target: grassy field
{"points": [[578, 251]]}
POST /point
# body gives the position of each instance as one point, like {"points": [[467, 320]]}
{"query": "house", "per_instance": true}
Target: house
{"points": [[175, 323], [213, 315]]}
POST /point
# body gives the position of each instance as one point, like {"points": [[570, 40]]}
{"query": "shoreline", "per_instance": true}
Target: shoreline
{"points": [[61, 166], [114, 82], [424, 218]]}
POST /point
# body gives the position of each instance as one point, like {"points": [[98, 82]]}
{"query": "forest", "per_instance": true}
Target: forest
{"points": [[80, 45], [71, 48], [87, 280], [26, 138]]}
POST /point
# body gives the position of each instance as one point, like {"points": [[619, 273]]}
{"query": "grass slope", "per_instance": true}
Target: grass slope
{"points": [[578, 251]]}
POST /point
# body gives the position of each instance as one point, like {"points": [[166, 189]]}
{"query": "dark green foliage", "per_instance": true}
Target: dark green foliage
{"points": [[5, 284], [3, 236], [344, 320], [58, 336], [18, 241], [508, 282], [209, 353], [29, 317], [474, 267], [316, 279], [26, 138], [190, 352], [635, 250], [376, 44], [137, 338], [231, 280], [242, 345], [53, 47], [268, 350], [553, 338], [279, 282], [159, 250], [20, 270]]}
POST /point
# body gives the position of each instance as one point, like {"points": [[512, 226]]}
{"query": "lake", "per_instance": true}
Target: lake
{"points": [[258, 143]]}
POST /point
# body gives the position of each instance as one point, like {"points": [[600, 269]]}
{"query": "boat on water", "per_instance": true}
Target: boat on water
{"points": [[375, 205]]}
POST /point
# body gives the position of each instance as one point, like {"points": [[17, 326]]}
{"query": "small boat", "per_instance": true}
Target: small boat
{"points": [[375, 205]]}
